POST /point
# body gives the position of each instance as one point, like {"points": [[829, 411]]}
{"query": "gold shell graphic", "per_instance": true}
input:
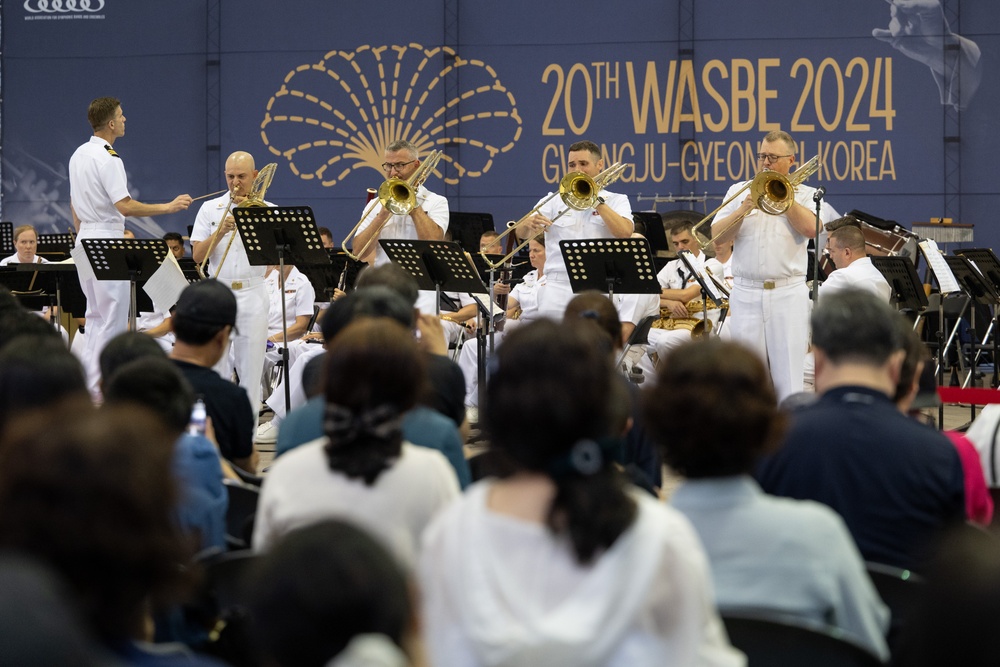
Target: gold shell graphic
{"points": [[337, 115]]}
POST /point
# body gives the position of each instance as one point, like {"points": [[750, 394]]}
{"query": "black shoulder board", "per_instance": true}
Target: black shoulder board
{"points": [[111, 151]]}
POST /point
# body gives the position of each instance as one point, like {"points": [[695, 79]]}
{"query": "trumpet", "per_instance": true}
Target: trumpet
{"points": [[772, 192], [397, 196], [254, 199], [577, 190]]}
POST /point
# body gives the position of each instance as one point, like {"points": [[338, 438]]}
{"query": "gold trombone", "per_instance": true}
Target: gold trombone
{"points": [[398, 196], [772, 192], [577, 190], [254, 199]]}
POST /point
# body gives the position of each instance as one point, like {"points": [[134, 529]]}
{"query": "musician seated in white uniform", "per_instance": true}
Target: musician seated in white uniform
{"points": [[681, 289], [522, 307], [847, 249], [299, 298], [25, 243]]}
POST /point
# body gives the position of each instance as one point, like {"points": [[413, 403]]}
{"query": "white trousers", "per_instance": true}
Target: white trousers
{"points": [[249, 342], [107, 306], [775, 324]]}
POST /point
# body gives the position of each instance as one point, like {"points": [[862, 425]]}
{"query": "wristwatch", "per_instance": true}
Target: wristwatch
{"points": [[600, 200]]}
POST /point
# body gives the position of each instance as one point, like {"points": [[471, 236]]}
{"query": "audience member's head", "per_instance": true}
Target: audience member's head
{"points": [[592, 306], [393, 276], [90, 495], [374, 375], [157, 384], [546, 411], [126, 347], [321, 587], [713, 409], [38, 374], [16, 321], [365, 301], [912, 366], [853, 330], [206, 310]]}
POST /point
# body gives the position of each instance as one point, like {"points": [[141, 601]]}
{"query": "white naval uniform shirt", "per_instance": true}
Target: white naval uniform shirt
{"points": [[401, 226], [587, 224], [14, 260], [237, 266], [767, 247], [859, 274], [299, 298], [96, 181]]}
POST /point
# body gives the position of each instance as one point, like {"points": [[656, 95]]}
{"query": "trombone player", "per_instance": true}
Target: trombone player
{"points": [[426, 221], [217, 238], [770, 300], [610, 217]]}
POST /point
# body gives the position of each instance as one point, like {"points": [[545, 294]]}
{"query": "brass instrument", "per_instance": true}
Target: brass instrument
{"points": [[254, 199], [577, 190], [771, 191], [397, 196], [698, 327]]}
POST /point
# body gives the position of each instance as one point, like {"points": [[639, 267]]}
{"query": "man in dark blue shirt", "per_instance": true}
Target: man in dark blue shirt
{"points": [[895, 482]]}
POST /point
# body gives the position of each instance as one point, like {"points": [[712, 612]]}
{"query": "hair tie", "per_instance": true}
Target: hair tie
{"points": [[590, 314], [586, 457], [344, 425]]}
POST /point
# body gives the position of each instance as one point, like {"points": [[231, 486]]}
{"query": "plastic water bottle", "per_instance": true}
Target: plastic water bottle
{"points": [[198, 416]]}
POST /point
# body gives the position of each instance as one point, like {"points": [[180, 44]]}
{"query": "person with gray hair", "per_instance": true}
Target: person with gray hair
{"points": [[427, 221], [896, 483]]}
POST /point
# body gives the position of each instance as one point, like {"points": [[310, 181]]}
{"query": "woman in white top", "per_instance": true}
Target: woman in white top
{"points": [[362, 471], [522, 304], [560, 562], [25, 242]]}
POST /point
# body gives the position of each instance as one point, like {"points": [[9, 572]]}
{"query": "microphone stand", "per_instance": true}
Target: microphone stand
{"points": [[818, 199]]}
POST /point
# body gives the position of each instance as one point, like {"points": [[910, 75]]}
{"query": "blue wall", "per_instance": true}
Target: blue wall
{"points": [[319, 87]]}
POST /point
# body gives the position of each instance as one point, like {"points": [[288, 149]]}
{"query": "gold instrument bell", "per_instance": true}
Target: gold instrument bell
{"points": [[697, 326]]}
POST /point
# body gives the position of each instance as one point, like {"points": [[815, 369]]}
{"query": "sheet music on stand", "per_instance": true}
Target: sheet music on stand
{"points": [[939, 267], [986, 262], [164, 287], [132, 260]]}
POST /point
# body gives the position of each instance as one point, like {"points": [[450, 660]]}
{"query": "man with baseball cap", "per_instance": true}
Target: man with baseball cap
{"points": [[202, 322]]}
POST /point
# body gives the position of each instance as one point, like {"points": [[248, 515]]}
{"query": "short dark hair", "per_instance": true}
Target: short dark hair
{"points": [[682, 227], [374, 374], [547, 398], [126, 347], [102, 110], [916, 353], [91, 494], [156, 383], [38, 372], [854, 326], [325, 231], [588, 146], [851, 237], [375, 301], [173, 236], [713, 409], [320, 587], [393, 276]]}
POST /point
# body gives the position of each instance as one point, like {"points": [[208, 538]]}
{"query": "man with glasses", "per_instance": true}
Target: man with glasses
{"points": [[770, 300], [427, 221]]}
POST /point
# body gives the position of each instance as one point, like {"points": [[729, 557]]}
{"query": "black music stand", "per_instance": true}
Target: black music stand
{"points": [[706, 293], [623, 266], [982, 293], [189, 268], [339, 273], [274, 235], [466, 228], [55, 247], [986, 261], [30, 289], [907, 291], [7, 238], [134, 260], [440, 266], [60, 282]]}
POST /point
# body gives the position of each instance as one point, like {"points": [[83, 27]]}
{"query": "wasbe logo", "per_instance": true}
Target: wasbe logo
{"points": [[62, 9]]}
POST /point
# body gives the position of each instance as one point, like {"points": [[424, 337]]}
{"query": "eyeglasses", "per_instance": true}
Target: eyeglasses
{"points": [[768, 157], [388, 166]]}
